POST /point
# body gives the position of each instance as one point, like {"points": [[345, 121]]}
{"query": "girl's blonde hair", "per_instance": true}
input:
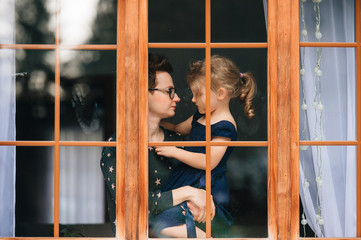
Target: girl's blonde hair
{"points": [[225, 74]]}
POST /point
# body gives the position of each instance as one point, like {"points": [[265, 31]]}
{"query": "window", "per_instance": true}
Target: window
{"points": [[61, 81], [116, 59], [228, 34]]}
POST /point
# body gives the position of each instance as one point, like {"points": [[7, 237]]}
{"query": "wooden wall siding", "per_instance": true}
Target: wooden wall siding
{"points": [[283, 55]]}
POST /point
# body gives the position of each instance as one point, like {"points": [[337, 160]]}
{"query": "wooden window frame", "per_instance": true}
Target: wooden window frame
{"points": [[131, 136]]}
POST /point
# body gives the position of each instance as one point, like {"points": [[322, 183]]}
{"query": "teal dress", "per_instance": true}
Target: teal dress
{"points": [[160, 169]]}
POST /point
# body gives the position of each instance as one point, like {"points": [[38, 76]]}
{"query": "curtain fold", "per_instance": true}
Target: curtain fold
{"points": [[83, 202], [7, 120]]}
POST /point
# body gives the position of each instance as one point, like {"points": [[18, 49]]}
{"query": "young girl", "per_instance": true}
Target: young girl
{"points": [[226, 83]]}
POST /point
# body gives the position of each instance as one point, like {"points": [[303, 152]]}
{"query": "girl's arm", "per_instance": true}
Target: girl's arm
{"points": [[196, 160], [183, 128]]}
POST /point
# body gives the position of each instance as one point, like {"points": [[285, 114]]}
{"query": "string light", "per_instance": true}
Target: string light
{"points": [[318, 107], [304, 108]]}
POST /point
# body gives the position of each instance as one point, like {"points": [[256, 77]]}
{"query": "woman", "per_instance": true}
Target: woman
{"points": [[162, 103]]}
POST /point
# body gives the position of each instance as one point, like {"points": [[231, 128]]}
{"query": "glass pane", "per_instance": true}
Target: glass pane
{"points": [[7, 190], [82, 196], [176, 21], [34, 191], [328, 191], [327, 21], [7, 95], [161, 105], [27, 22], [29, 78], [241, 201], [328, 94], [165, 172], [250, 62], [238, 21], [88, 83], [180, 60], [88, 22], [247, 178], [7, 19], [247, 60]]}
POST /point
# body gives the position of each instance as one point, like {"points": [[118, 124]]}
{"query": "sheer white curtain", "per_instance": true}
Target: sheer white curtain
{"points": [[81, 196], [336, 166], [333, 198], [7, 121]]}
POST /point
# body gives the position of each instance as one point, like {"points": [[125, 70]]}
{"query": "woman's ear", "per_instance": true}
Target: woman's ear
{"points": [[221, 93]]}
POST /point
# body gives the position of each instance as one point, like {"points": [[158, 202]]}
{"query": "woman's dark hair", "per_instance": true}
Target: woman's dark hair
{"points": [[157, 62]]}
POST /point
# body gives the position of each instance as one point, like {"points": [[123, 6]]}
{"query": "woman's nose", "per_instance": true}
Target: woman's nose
{"points": [[193, 100], [176, 98]]}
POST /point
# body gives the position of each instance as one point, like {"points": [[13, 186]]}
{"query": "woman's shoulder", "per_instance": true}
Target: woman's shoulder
{"points": [[112, 138], [108, 149]]}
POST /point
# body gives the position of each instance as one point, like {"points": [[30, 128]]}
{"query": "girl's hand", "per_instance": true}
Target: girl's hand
{"points": [[166, 151]]}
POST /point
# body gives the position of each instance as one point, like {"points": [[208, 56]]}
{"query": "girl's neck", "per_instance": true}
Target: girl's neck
{"points": [[221, 112]]}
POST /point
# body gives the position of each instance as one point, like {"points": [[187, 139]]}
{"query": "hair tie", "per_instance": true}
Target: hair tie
{"points": [[241, 75]]}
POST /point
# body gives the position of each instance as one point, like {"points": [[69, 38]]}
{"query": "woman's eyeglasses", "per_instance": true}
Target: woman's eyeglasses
{"points": [[170, 91]]}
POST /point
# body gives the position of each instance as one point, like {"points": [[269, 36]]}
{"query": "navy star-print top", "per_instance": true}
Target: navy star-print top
{"points": [[160, 169]]}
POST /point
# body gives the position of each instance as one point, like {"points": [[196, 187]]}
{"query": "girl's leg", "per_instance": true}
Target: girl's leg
{"points": [[181, 232]]}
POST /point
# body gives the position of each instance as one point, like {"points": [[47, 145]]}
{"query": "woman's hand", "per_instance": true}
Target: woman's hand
{"points": [[197, 206], [196, 201]]}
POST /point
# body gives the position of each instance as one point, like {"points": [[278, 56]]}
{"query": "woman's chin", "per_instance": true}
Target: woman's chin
{"points": [[171, 114]]}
